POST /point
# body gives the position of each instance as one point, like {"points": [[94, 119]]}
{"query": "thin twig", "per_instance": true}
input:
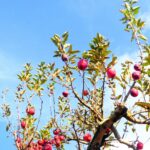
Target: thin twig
{"points": [[103, 93], [76, 136], [126, 97], [131, 145]]}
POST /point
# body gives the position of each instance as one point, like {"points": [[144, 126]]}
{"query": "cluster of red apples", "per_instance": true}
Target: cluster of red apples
{"points": [[41, 144], [111, 73], [59, 138]]}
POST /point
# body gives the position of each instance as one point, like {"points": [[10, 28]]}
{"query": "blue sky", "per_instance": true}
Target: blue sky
{"points": [[26, 27]]}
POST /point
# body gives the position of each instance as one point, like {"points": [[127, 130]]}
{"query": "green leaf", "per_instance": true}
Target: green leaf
{"points": [[74, 52], [113, 62], [65, 37], [118, 97], [142, 37], [136, 10], [143, 105], [127, 6], [147, 127]]}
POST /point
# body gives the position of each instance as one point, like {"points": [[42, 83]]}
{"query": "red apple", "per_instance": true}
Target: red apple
{"points": [[18, 140], [140, 146], [65, 94], [48, 147], [62, 137], [57, 131], [39, 147], [137, 67], [82, 64], [85, 92], [41, 142], [87, 137], [136, 75], [52, 142], [108, 130], [64, 57], [56, 137], [57, 142], [30, 110], [23, 124], [111, 73], [134, 92]]}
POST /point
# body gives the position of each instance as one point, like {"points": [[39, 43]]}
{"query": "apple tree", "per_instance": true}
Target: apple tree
{"points": [[78, 86]]}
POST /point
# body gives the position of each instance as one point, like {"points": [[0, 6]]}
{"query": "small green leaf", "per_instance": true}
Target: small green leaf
{"points": [[142, 37], [147, 127], [65, 37], [136, 10]]}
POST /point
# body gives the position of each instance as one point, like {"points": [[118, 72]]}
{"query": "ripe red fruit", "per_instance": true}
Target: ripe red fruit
{"points": [[85, 92], [57, 131], [64, 57], [39, 147], [82, 64], [48, 147], [18, 140], [30, 110], [137, 67], [87, 137], [111, 73], [41, 142], [65, 93], [140, 146], [57, 142], [62, 138], [136, 75], [52, 142], [56, 137], [134, 92], [108, 130], [23, 124]]}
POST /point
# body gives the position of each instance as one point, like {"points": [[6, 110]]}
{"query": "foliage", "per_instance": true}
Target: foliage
{"points": [[76, 113]]}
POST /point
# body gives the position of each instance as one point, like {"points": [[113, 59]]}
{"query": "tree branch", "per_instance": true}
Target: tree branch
{"points": [[126, 97], [78, 141], [122, 141], [103, 92], [83, 102], [134, 120], [97, 140]]}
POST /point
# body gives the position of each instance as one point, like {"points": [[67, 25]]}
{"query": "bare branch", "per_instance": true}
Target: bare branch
{"points": [[79, 146], [131, 145]]}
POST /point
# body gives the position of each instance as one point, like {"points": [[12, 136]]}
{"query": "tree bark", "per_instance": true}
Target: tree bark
{"points": [[100, 134]]}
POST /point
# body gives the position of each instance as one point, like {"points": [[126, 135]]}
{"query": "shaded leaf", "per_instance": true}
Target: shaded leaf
{"points": [[143, 105]]}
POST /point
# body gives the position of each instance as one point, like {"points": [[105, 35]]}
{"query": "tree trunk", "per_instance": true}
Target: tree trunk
{"points": [[100, 135]]}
